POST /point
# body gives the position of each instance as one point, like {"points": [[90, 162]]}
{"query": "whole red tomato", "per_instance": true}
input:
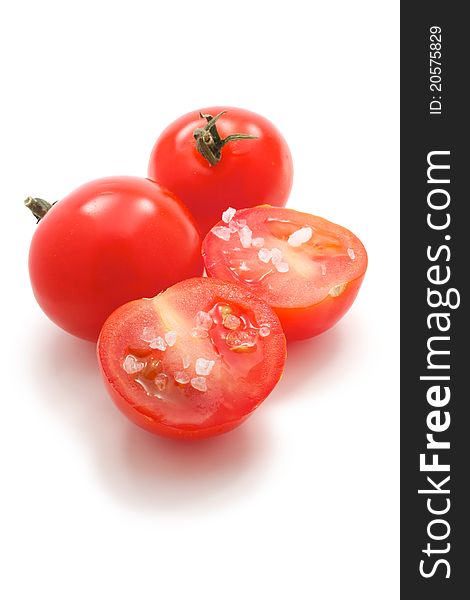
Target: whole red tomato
{"points": [[194, 361], [110, 241], [219, 157]]}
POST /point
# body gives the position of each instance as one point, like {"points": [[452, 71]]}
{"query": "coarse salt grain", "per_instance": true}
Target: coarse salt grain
{"points": [[323, 269], [204, 366], [281, 267], [158, 343], [276, 255], [221, 232], [264, 330], [131, 365], [198, 332], [241, 222], [199, 383], [228, 214], [233, 226], [257, 242], [186, 361], [241, 339], [351, 254], [203, 320], [232, 322], [264, 255], [182, 377], [170, 337], [148, 334], [161, 381], [245, 234], [243, 266], [299, 237]]}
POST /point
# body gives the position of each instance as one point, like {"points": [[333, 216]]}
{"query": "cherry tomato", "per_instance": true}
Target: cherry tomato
{"points": [[214, 166], [110, 241], [307, 269], [195, 360]]}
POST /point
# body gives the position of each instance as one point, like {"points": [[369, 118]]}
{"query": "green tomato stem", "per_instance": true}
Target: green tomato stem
{"points": [[38, 207], [209, 142]]}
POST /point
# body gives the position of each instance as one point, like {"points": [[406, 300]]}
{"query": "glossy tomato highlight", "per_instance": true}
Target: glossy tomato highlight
{"points": [[195, 360], [306, 268], [214, 166], [110, 241]]}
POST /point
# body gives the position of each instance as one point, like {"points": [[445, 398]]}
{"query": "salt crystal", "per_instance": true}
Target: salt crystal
{"points": [[161, 381], [352, 256], [204, 366], [182, 377], [131, 365], [221, 232], [241, 222], [170, 337], [245, 234], [257, 242], [233, 226], [198, 332], [281, 267], [158, 343], [203, 320], [232, 322], [199, 383], [264, 255], [323, 269], [148, 334], [299, 237], [276, 255], [228, 214], [241, 340], [264, 330], [243, 266]]}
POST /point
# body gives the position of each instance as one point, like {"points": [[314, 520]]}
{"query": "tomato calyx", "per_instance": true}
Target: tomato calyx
{"points": [[208, 141], [38, 207]]}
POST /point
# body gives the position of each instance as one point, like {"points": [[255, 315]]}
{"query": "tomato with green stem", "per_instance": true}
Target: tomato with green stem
{"points": [[110, 241], [306, 268], [195, 360], [222, 156]]}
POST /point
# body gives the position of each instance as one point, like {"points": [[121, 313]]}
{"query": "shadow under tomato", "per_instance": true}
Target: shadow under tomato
{"points": [[137, 468], [313, 362], [154, 471]]}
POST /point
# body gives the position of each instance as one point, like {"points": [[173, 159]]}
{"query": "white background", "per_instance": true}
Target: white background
{"points": [[302, 501]]}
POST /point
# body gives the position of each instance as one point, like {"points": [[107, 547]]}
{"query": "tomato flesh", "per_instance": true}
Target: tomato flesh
{"points": [[195, 360], [250, 171], [305, 267], [106, 243]]}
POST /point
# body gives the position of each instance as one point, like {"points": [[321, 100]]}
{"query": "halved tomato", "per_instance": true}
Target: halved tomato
{"points": [[195, 360], [306, 268]]}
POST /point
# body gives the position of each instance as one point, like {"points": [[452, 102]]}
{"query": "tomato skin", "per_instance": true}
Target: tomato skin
{"points": [[303, 314], [250, 172], [302, 323], [158, 427], [121, 330], [106, 243]]}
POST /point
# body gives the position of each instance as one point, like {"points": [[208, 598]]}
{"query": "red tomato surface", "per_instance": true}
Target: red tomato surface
{"points": [[195, 360], [310, 283], [110, 241], [250, 171]]}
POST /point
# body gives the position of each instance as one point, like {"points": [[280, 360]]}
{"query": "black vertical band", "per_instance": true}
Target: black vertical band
{"points": [[435, 323]]}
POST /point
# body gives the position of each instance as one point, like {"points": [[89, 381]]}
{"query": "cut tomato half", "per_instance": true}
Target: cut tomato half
{"points": [[195, 360], [306, 268]]}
